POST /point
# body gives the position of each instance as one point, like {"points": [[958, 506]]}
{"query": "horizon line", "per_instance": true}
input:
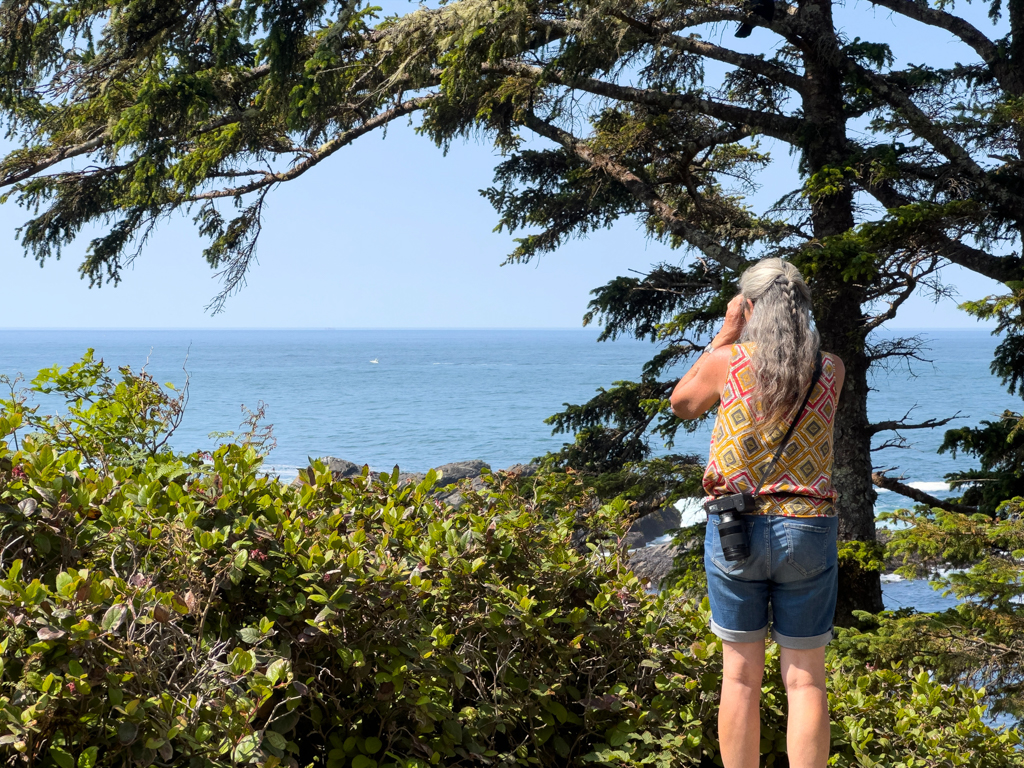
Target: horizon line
{"points": [[981, 326], [297, 328]]}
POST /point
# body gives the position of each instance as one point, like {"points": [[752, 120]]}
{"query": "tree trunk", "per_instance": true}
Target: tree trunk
{"points": [[838, 311], [841, 327]]}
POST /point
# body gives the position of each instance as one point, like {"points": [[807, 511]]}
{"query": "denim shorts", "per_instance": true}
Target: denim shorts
{"points": [[792, 567]]}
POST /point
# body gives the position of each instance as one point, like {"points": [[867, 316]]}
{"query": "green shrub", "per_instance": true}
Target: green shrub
{"points": [[108, 421], [169, 613], [236, 619]]}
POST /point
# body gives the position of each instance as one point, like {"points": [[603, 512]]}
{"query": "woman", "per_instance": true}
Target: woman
{"points": [[760, 383]]}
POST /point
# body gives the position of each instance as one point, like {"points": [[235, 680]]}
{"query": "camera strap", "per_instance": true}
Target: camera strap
{"points": [[792, 426]]}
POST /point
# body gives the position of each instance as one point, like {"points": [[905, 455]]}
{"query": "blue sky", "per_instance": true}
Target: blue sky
{"points": [[393, 234]]}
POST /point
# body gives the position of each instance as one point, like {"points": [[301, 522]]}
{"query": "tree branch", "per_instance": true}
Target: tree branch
{"points": [[693, 44], [1000, 268], [324, 151], [756, 64], [785, 24], [64, 153], [640, 190], [894, 305], [781, 127], [882, 426], [891, 484], [965, 31], [925, 128]]}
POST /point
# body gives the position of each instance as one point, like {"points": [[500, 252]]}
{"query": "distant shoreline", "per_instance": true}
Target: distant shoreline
{"points": [[978, 328]]}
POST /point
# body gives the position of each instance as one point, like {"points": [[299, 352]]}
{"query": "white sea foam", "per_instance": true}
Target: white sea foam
{"points": [[923, 485], [284, 472], [663, 539], [691, 511]]}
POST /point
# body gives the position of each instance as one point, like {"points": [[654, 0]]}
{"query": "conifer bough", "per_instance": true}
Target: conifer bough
{"points": [[126, 112]]}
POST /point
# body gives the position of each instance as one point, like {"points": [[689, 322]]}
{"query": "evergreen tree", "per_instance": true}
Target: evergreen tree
{"points": [[971, 547], [128, 110]]}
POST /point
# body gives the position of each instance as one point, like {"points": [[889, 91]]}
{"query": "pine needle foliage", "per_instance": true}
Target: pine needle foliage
{"points": [[974, 552]]}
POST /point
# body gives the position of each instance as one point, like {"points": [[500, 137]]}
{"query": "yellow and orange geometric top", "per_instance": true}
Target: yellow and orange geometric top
{"points": [[741, 447]]}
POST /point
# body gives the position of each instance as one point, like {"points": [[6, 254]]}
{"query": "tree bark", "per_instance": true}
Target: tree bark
{"points": [[859, 589], [838, 312]]}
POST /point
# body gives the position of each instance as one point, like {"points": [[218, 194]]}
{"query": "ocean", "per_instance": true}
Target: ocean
{"points": [[420, 398]]}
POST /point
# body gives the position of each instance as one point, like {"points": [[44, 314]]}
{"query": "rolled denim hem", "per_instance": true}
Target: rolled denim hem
{"points": [[802, 643], [740, 635]]}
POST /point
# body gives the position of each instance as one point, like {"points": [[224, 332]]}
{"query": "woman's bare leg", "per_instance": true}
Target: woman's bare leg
{"points": [[807, 736], [739, 713]]}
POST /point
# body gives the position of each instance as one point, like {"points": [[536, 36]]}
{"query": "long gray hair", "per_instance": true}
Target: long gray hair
{"points": [[783, 341]]}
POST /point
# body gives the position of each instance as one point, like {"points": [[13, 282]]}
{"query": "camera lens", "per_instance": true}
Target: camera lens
{"points": [[733, 536]]}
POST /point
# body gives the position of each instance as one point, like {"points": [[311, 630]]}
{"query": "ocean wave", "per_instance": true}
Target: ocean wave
{"points": [[923, 485], [282, 471], [691, 511]]}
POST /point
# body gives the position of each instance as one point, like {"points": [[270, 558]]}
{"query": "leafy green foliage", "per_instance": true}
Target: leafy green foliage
{"points": [[107, 421], [225, 618], [468, 635], [882, 720]]}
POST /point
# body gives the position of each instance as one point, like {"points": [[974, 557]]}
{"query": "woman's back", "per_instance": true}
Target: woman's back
{"points": [[769, 568], [800, 485]]}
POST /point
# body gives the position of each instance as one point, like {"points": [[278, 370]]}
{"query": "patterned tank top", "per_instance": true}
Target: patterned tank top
{"points": [[741, 448]]}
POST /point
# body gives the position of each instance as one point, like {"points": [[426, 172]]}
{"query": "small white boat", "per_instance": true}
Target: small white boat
{"points": [[375, 361]]}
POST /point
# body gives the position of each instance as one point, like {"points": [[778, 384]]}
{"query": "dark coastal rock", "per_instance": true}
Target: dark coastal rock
{"points": [[453, 478], [447, 474], [449, 483], [522, 470], [657, 523], [459, 470], [454, 495], [653, 563], [341, 468], [461, 476], [632, 540]]}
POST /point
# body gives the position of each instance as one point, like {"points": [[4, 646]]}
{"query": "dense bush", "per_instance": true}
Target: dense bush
{"points": [[234, 618], [173, 612]]}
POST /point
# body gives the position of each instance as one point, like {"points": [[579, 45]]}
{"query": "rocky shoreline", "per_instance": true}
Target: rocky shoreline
{"points": [[652, 563], [451, 483], [450, 476]]}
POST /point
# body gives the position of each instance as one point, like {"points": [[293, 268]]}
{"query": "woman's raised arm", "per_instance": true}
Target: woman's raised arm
{"points": [[702, 385]]}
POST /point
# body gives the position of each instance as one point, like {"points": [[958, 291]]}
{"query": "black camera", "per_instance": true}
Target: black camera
{"points": [[740, 502], [730, 525]]}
